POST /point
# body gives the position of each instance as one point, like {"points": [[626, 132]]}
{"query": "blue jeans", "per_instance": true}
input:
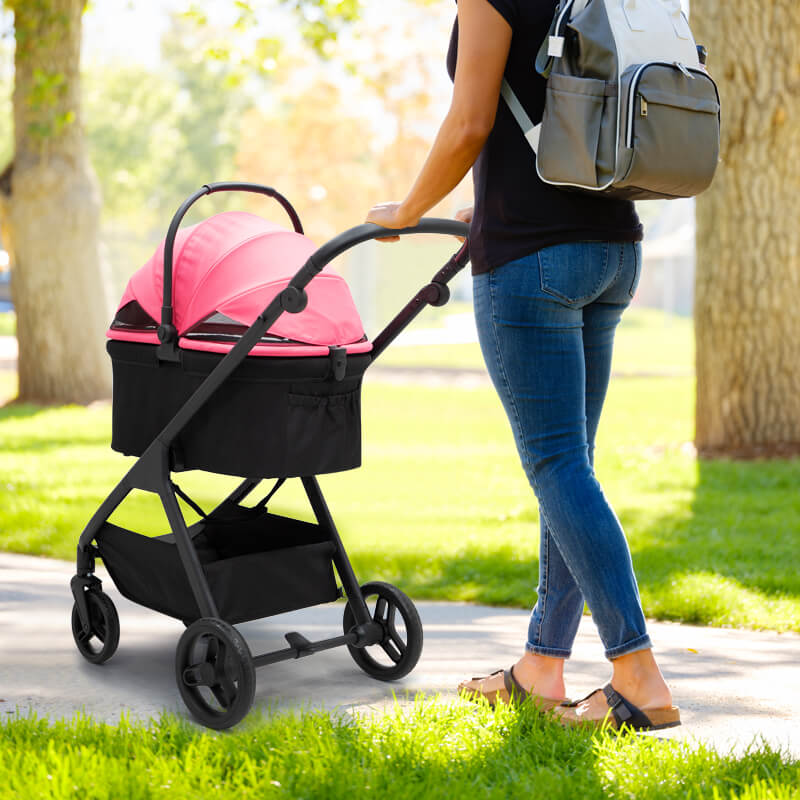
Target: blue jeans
{"points": [[546, 326]]}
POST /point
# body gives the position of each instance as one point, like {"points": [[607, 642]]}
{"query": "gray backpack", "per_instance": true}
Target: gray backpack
{"points": [[630, 111]]}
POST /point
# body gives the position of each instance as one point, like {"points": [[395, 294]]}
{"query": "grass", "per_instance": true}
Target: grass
{"points": [[442, 508], [431, 750], [648, 342], [8, 323]]}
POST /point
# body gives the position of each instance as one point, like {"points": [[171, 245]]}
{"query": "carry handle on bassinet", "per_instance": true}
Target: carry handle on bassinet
{"points": [[167, 334]]}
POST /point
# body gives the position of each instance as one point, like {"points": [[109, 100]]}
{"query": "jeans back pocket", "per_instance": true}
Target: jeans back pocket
{"points": [[574, 273]]}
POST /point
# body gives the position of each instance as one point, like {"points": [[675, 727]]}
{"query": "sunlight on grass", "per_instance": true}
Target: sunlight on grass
{"points": [[8, 323], [648, 341], [442, 508], [430, 749]]}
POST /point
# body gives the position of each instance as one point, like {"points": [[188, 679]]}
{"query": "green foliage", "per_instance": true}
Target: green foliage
{"points": [[8, 326], [154, 137], [430, 749]]}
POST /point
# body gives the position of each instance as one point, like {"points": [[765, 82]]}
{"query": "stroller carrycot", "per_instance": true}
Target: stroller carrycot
{"points": [[255, 370], [292, 408]]}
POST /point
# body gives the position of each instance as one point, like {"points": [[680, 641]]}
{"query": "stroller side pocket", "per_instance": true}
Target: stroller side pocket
{"points": [[325, 428]]}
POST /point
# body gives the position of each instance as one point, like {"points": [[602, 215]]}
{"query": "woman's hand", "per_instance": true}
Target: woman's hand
{"points": [[390, 215], [464, 215]]}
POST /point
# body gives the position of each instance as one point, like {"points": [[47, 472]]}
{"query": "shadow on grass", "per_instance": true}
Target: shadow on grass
{"points": [[732, 560], [15, 410]]}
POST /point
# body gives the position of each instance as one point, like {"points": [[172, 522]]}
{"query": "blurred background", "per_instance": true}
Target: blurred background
{"points": [[177, 95]]}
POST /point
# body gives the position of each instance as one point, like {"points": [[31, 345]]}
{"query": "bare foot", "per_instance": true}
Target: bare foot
{"points": [[637, 678]]}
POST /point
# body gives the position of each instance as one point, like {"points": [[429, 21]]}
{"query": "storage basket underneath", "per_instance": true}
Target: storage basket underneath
{"points": [[257, 564]]}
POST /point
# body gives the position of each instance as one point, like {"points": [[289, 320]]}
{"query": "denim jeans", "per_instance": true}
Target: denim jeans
{"points": [[546, 327]]}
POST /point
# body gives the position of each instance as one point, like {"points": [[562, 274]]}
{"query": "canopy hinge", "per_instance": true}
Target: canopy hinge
{"points": [[338, 356]]}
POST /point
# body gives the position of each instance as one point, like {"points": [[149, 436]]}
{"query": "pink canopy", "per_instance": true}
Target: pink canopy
{"points": [[233, 264]]}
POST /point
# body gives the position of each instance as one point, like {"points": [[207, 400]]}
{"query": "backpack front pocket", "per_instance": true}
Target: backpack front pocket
{"points": [[672, 131], [571, 125]]}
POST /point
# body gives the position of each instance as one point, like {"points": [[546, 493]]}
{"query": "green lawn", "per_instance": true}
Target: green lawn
{"points": [[8, 323], [647, 342], [442, 508], [434, 751]]}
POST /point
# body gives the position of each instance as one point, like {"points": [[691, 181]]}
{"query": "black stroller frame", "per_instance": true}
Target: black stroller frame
{"points": [[214, 668]]}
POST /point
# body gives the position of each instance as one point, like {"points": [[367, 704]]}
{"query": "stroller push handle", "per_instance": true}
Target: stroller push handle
{"points": [[167, 334], [363, 233], [434, 294]]}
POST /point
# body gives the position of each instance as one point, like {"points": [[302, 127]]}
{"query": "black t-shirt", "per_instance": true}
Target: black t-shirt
{"points": [[516, 213]]}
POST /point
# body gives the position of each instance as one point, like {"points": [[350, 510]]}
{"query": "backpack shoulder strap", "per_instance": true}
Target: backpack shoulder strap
{"points": [[530, 130]]}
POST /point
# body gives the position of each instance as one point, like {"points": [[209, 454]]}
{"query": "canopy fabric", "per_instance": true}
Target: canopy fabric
{"points": [[235, 263]]}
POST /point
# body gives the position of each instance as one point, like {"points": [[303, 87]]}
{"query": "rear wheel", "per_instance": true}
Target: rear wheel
{"points": [[102, 639], [400, 647], [215, 673]]}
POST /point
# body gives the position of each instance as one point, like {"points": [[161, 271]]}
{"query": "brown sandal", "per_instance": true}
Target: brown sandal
{"points": [[621, 712], [511, 688]]}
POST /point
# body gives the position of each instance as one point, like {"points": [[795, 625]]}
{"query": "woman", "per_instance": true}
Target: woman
{"points": [[553, 272]]}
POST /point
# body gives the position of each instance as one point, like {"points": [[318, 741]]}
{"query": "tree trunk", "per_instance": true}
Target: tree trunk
{"points": [[51, 215], [747, 315]]}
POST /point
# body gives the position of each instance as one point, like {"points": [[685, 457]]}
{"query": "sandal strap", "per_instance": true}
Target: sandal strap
{"points": [[624, 711], [574, 703], [484, 677], [512, 685]]}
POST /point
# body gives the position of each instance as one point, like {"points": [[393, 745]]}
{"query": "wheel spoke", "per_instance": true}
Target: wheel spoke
{"points": [[380, 610], [200, 650], [224, 691], [391, 650], [397, 640]]}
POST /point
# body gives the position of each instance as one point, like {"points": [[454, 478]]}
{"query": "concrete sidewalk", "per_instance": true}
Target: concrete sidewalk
{"points": [[733, 686]]}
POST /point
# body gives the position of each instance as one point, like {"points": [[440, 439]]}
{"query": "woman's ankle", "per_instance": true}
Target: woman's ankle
{"points": [[638, 678], [543, 675]]}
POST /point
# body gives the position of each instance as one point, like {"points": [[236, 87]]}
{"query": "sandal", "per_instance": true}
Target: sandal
{"points": [[621, 712], [511, 688]]}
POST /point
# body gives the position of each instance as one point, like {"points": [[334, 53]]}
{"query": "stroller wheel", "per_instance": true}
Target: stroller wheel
{"points": [[399, 650], [215, 673], [101, 642]]}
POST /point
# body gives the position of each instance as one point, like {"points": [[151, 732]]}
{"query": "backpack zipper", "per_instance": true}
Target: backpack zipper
{"points": [[637, 77]]}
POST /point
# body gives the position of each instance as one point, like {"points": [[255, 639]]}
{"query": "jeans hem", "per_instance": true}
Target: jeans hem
{"points": [[639, 643], [552, 652]]}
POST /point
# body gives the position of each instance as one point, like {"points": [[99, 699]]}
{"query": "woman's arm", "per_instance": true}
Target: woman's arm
{"points": [[484, 38]]}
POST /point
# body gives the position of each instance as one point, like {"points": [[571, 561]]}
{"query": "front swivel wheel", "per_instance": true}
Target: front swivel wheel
{"points": [[215, 673], [400, 647], [100, 642]]}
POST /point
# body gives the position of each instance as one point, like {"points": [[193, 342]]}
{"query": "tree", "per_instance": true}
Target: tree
{"points": [[49, 212], [50, 203], [748, 237]]}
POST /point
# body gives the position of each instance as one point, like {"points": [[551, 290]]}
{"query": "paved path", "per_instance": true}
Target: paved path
{"points": [[732, 686]]}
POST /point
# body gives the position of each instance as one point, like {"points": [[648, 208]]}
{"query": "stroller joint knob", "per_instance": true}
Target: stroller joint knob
{"points": [[167, 333], [293, 300]]}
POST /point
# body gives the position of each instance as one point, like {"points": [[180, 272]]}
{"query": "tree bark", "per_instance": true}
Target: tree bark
{"points": [[51, 216], [747, 314]]}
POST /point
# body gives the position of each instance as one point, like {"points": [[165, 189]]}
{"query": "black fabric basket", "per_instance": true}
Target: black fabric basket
{"points": [[274, 417], [257, 564]]}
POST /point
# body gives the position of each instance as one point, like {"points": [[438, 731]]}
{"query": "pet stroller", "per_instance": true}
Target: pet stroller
{"points": [[255, 371]]}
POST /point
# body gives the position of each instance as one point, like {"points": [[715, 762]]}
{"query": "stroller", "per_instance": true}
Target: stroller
{"points": [[207, 388]]}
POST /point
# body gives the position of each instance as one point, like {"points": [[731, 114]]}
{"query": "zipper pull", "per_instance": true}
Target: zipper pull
{"points": [[683, 69], [643, 103]]}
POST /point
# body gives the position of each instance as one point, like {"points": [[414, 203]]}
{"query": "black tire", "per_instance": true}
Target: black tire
{"points": [[215, 673], [101, 643], [399, 651]]}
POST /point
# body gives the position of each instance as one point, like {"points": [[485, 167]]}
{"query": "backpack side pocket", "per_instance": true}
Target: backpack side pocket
{"points": [[571, 125]]}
